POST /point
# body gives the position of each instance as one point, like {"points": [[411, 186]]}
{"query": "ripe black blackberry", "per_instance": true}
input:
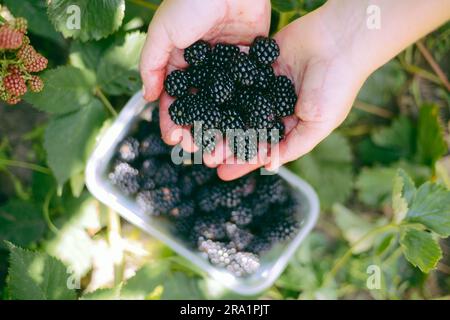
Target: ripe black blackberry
{"points": [[210, 226], [184, 209], [199, 76], [208, 200], [244, 144], [243, 99], [242, 215], [283, 96], [264, 50], [271, 188], [177, 83], [219, 254], [180, 110], [198, 53], [230, 194], [166, 174], [243, 70], [153, 145], [239, 237], [231, 120], [223, 55], [149, 167], [128, 150], [282, 229], [244, 263], [206, 139], [159, 201], [259, 245], [261, 114], [187, 184], [221, 88], [202, 174], [206, 114], [264, 77], [272, 135], [125, 177]]}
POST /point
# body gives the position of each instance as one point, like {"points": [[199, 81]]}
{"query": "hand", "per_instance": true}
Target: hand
{"points": [[179, 23], [319, 63]]}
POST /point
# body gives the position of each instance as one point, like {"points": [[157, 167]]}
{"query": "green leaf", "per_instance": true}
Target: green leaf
{"points": [[403, 192], [329, 169], [353, 228], [431, 143], [86, 19], [20, 223], [431, 207], [35, 11], [285, 5], [86, 55], [145, 281], [179, 286], [66, 89], [117, 74], [37, 276], [420, 248], [400, 136], [68, 139], [103, 294]]}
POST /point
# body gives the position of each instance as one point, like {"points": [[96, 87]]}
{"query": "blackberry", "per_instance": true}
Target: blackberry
{"points": [[218, 253], [239, 237], [166, 174], [271, 188], [242, 215], [230, 194], [128, 150], [231, 120], [177, 83], [208, 200], [243, 70], [184, 209], [261, 114], [205, 138], [144, 128], [125, 177], [264, 77], [187, 184], [149, 167], [221, 89], [207, 115], [260, 205], [159, 201], [199, 76], [180, 110], [282, 230], [264, 50], [284, 96], [210, 226], [244, 263], [198, 53], [272, 135], [153, 145], [244, 144], [259, 245], [202, 174], [223, 54], [146, 183]]}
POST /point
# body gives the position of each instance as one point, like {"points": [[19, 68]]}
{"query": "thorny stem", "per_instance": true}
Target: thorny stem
{"points": [[99, 93], [343, 259], [433, 64], [25, 165], [145, 4]]}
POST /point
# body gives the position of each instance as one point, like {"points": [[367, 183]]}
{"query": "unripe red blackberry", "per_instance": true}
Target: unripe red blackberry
{"points": [[15, 85], [26, 53], [14, 69], [36, 84], [13, 100], [21, 25], [10, 38], [39, 63]]}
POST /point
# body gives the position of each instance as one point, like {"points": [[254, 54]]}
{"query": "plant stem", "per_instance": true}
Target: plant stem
{"points": [[421, 72], [370, 108], [25, 165], [99, 93], [115, 243], [46, 210], [145, 4], [342, 260], [433, 64]]}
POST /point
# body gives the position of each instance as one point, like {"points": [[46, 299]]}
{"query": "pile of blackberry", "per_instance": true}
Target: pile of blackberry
{"points": [[231, 223], [229, 93]]}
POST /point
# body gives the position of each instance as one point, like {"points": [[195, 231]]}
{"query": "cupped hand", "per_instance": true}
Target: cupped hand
{"points": [[179, 23], [318, 59]]}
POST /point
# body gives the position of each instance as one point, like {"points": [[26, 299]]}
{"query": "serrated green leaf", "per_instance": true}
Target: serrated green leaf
{"points": [[328, 168], [35, 11], [67, 89], [420, 248], [68, 139], [179, 286], [118, 75], [97, 18], [21, 223], [431, 207], [431, 143], [399, 136], [403, 192], [86, 55], [353, 228], [37, 276], [103, 294]]}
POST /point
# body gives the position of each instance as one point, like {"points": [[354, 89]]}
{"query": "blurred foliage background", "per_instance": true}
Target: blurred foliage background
{"points": [[51, 228]]}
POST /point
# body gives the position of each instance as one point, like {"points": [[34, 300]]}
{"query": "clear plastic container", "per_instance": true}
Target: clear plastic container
{"points": [[272, 263]]}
